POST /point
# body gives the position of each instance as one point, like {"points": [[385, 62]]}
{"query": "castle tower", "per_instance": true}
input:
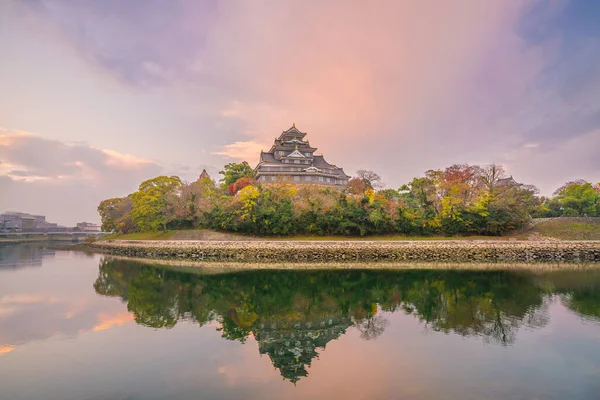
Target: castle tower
{"points": [[292, 158]]}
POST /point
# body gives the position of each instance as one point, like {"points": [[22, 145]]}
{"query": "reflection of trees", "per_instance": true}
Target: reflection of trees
{"points": [[579, 291], [585, 303], [293, 314], [492, 304], [372, 327]]}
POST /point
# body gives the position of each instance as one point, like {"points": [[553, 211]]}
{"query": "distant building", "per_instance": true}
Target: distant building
{"points": [[40, 221], [17, 221], [87, 227], [292, 158], [42, 225], [24, 222]]}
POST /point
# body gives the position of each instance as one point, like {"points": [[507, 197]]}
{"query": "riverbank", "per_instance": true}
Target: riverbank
{"points": [[356, 251]]}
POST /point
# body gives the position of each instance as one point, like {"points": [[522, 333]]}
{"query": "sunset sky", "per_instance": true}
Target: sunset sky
{"points": [[96, 96]]}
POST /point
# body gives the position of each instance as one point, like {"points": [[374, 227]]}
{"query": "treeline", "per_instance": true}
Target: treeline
{"points": [[460, 200], [573, 199]]}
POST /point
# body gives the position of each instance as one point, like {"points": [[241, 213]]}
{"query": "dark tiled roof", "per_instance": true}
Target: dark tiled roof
{"points": [[507, 181], [267, 157], [293, 130], [319, 162]]}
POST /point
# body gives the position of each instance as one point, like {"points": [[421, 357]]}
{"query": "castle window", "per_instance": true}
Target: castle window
{"points": [[296, 178], [296, 161], [320, 179]]}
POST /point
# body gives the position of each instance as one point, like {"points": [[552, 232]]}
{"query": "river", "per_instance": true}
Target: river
{"points": [[88, 326]]}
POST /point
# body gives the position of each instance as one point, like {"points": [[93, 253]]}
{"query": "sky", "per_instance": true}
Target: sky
{"points": [[96, 96]]}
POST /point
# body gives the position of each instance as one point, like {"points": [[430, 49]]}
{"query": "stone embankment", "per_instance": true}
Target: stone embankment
{"points": [[358, 251]]}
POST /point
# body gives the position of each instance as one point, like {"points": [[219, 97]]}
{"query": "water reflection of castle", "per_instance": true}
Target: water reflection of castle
{"points": [[292, 348], [24, 255]]}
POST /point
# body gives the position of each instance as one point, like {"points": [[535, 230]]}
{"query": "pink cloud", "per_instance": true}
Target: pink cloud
{"points": [[247, 151]]}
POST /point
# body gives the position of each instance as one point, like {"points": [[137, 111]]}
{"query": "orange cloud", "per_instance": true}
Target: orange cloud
{"points": [[8, 139], [6, 349], [106, 321]]}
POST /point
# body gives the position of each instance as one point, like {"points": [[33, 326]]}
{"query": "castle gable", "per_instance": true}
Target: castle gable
{"points": [[296, 154]]}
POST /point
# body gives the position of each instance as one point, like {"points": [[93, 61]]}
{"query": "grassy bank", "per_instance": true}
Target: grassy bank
{"points": [[141, 236], [565, 228]]}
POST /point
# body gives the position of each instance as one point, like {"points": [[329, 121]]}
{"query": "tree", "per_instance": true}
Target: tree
{"points": [[190, 203], [490, 175], [108, 210], [370, 178], [569, 183], [234, 171], [150, 207], [389, 194], [115, 214], [578, 198], [240, 184], [356, 186]]}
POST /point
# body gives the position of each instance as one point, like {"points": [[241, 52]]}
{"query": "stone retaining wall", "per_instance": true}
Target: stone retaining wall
{"points": [[358, 251]]}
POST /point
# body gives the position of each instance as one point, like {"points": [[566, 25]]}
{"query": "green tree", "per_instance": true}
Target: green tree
{"points": [[108, 210], [578, 199], [234, 171], [150, 207]]}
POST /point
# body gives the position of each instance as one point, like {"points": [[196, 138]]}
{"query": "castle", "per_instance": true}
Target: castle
{"points": [[292, 158]]}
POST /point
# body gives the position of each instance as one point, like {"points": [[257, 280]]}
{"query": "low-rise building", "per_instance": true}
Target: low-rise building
{"points": [[17, 221], [87, 227]]}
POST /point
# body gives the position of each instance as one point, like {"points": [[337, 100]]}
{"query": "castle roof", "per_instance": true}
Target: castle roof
{"points": [[293, 130], [203, 175]]}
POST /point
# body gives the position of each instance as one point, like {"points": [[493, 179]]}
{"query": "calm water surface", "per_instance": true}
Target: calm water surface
{"points": [[76, 326]]}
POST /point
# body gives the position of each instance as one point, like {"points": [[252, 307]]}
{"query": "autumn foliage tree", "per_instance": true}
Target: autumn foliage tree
{"points": [[240, 184]]}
